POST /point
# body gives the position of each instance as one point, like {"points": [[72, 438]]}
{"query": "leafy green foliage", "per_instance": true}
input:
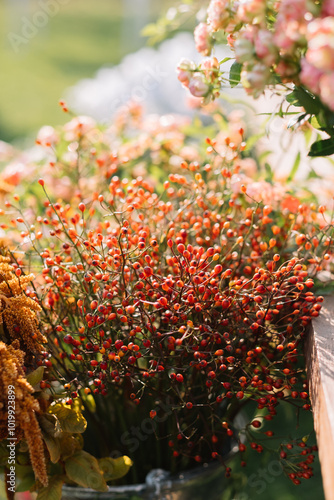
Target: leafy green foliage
{"points": [[83, 469], [324, 147], [36, 376], [235, 73], [70, 419], [115, 468], [53, 490]]}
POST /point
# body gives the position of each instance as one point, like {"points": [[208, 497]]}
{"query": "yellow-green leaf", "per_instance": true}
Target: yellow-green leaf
{"points": [[71, 419], [36, 376], [115, 468], [50, 425], [54, 448], [53, 491], [83, 469], [69, 445]]}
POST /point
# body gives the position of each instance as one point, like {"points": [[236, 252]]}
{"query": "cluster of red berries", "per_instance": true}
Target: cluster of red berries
{"points": [[200, 296]]}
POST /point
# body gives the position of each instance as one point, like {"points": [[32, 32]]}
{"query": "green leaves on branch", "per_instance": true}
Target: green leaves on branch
{"points": [[83, 469], [301, 97], [53, 490], [70, 419], [322, 148], [235, 74], [62, 431], [35, 377], [320, 117]]}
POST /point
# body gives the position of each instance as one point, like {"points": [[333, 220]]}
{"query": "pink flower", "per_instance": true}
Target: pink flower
{"points": [[248, 10], [255, 79], [327, 89], [265, 47], [218, 14], [79, 126], [320, 36], [291, 25], [244, 50], [47, 136], [14, 173], [292, 10], [185, 71], [202, 35], [310, 76], [287, 70], [210, 67], [231, 40], [328, 8], [198, 86]]}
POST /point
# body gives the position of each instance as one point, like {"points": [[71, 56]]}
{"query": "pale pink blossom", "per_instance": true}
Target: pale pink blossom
{"points": [[287, 70], [328, 8], [15, 172], [320, 36], [248, 10], [310, 76], [185, 71], [231, 40], [198, 86], [210, 68], [79, 126], [244, 49], [218, 14], [255, 79], [265, 47], [202, 35], [47, 136], [291, 25], [327, 89]]}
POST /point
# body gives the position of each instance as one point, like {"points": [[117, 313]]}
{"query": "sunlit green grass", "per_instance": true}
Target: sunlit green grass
{"points": [[74, 44]]}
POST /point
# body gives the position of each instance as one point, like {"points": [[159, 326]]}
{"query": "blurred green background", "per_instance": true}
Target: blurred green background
{"points": [[75, 42], [80, 38]]}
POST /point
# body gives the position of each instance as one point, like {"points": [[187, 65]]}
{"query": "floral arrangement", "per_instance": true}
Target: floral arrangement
{"points": [[165, 303], [277, 45]]}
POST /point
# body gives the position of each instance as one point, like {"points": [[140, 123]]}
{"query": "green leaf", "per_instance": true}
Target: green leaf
{"points": [[235, 72], [54, 448], [294, 168], [296, 120], [26, 483], [115, 468], [83, 469], [71, 419], [269, 173], [301, 97], [324, 147], [315, 122], [36, 376], [50, 425], [225, 60], [313, 175], [53, 491], [69, 445]]}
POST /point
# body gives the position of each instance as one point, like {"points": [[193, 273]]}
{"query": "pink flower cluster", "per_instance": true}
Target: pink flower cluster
{"points": [[318, 65], [202, 80], [288, 41]]}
